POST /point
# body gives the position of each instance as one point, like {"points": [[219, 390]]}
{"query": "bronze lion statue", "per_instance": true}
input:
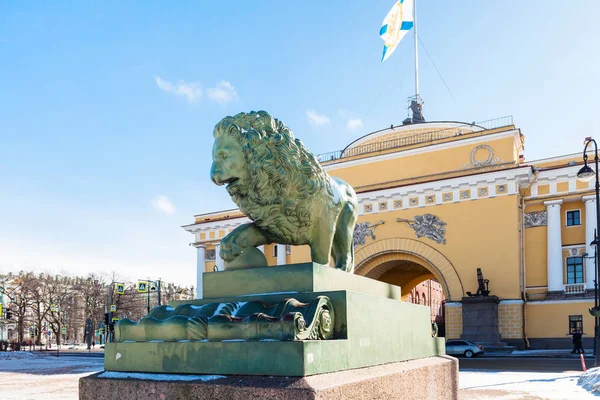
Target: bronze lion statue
{"points": [[283, 189]]}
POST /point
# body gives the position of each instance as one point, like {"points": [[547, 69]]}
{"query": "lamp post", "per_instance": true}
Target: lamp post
{"points": [[586, 174]]}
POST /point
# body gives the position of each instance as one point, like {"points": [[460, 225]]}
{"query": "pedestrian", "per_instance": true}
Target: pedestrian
{"points": [[94, 344], [577, 345]]}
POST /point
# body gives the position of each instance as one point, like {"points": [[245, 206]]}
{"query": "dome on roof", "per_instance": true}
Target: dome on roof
{"points": [[405, 135]]}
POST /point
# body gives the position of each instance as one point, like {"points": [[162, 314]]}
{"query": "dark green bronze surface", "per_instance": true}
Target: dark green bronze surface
{"points": [[368, 330], [307, 277], [283, 189]]}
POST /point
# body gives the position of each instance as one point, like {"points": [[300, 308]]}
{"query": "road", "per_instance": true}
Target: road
{"points": [[523, 364]]}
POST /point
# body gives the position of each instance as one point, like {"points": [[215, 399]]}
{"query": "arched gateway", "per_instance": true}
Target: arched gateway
{"points": [[378, 258]]}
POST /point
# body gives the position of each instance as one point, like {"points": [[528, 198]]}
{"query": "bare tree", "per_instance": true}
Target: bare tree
{"points": [[19, 290]]}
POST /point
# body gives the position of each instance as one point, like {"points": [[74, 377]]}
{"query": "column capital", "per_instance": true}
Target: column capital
{"points": [[553, 203], [198, 245], [589, 197]]}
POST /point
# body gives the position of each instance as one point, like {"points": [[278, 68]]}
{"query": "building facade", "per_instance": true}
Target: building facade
{"points": [[439, 200]]}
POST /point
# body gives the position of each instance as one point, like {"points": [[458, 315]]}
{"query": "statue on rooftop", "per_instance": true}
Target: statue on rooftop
{"points": [[283, 189]]}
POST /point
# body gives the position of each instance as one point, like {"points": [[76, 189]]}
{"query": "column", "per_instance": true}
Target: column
{"points": [[200, 268], [219, 261], [555, 262], [590, 225], [281, 256]]}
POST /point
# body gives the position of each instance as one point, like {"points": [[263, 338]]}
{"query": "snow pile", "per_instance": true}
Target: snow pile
{"points": [[17, 355], [590, 380], [158, 377]]}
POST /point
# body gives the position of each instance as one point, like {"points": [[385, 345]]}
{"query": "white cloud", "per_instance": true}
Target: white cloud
{"points": [[223, 93], [163, 204], [191, 91], [354, 123], [316, 119]]}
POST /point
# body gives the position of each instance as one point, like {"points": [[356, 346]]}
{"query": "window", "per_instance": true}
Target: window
{"points": [[274, 250], [573, 218], [574, 270], [575, 323]]}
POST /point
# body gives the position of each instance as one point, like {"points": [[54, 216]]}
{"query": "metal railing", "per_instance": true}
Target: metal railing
{"points": [[417, 138]]}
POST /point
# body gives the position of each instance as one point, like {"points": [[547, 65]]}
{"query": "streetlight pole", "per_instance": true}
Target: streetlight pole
{"points": [[586, 174]]}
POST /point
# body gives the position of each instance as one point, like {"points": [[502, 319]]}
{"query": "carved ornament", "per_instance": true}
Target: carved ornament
{"points": [[536, 218], [287, 320], [429, 226]]}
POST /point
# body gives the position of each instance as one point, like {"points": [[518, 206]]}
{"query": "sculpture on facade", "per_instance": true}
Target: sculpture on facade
{"points": [[364, 229], [429, 226], [483, 285], [283, 189]]}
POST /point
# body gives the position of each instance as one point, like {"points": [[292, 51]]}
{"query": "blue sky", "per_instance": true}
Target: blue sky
{"points": [[107, 108]]}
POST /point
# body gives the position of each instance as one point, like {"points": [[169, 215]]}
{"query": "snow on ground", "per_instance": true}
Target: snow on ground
{"points": [[159, 377], [25, 376], [502, 385]]}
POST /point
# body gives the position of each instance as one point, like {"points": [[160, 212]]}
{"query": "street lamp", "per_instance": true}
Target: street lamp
{"points": [[586, 174]]}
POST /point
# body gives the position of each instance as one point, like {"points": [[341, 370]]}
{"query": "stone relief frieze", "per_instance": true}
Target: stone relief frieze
{"points": [[364, 229], [482, 162], [429, 226], [536, 218], [210, 255]]}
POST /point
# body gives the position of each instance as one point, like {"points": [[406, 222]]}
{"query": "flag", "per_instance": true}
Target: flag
{"points": [[396, 24]]}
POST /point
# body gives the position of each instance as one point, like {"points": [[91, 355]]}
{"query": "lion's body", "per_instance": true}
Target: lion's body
{"points": [[283, 189]]}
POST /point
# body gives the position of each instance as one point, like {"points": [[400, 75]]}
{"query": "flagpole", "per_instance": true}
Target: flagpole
{"points": [[416, 53]]}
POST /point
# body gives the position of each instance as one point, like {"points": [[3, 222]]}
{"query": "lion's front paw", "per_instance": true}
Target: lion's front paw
{"points": [[232, 246]]}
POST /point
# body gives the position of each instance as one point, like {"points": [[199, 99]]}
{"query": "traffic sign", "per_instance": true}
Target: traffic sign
{"points": [[1, 310], [120, 288], [113, 307], [49, 333], [142, 286], [152, 286], [64, 330], [52, 308], [115, 319]]}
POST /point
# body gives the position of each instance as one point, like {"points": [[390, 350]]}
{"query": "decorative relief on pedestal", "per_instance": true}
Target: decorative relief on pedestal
{"points": [[245, 321], [430, 199], [448, 196], [210, 255], [383, 205], [501, 189], [482, 191], [413, 201], [362, 230], [429, 226], [536, 218], [397, 203], [368, 208], [465, 194]]}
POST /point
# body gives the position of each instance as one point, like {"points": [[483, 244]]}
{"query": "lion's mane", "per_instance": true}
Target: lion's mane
{"points": [[285, 179]]}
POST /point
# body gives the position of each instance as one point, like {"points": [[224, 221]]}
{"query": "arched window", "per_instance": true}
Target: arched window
{"points": [[424, 300], [417, 298]]}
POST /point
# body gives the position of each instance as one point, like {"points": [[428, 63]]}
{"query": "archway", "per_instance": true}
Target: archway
{"points": [[407, 262]]}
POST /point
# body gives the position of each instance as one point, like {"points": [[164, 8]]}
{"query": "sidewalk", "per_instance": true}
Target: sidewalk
{"points": [[560, 353]]}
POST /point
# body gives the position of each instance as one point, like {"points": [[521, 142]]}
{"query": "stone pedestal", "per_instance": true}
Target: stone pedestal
{"points": [[426, 378], [480, 319]]}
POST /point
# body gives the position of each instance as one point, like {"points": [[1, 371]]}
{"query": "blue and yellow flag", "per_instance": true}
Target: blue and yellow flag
{"points": [[396, 24]]}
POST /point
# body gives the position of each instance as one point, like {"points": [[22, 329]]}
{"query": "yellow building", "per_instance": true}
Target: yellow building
{"points": [[437, 201]]}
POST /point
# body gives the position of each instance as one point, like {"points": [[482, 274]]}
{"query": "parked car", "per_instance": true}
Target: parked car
{"points": [[463, 348]]}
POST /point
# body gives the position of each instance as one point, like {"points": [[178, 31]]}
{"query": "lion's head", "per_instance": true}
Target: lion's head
{"points": [[269, 174]]}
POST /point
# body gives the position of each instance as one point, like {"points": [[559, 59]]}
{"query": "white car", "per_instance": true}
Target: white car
{"points": [[463, 348]]}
